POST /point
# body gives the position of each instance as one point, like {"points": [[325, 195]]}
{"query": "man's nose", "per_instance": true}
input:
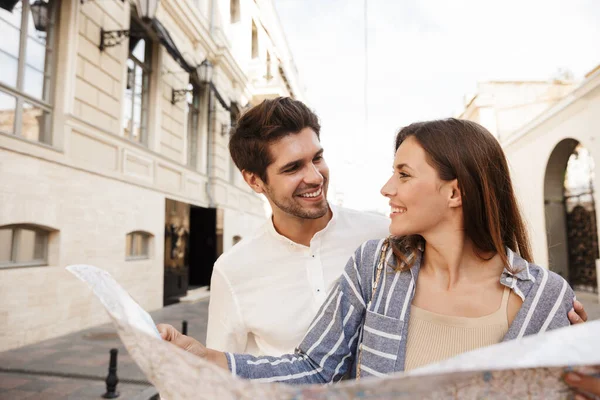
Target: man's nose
{"points": [[313, 176]]}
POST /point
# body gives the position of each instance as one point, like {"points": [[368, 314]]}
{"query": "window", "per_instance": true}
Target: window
{"points": [[269, 75], [234, 11], [254, 41], [137, 245], [26, 57], [23, 246], [135, 123], [193, 100]]}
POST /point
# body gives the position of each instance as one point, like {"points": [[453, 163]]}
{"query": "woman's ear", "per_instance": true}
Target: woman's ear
{"points": [[455, 199]]}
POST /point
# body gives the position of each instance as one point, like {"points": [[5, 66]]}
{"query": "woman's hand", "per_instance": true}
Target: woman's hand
{"points": [[191, 345]]}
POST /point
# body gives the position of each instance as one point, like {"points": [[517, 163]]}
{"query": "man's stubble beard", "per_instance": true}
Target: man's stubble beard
{"points": [[294, 208]]}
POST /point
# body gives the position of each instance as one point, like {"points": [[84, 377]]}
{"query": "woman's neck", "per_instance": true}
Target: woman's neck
{"points": [[451, 258]]}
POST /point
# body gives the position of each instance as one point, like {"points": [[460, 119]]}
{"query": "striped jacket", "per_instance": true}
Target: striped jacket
{"points": [[329, 349]]}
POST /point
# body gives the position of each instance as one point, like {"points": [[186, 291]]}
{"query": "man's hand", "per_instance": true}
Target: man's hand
{"points": [[586, 386], [189, 344], [577, 315]]}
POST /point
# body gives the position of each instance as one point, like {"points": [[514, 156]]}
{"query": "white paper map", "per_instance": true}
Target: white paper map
{"points": [[530, 368]]}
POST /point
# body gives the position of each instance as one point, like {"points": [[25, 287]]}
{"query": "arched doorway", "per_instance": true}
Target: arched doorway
{"points": [[571, 215]]}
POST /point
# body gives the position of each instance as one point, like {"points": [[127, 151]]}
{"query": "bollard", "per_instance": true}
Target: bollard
{"points": [[184, 327], [111, 379]]}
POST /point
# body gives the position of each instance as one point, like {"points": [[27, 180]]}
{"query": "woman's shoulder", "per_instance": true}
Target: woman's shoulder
{"points": [[549, 281], [369, 251]]}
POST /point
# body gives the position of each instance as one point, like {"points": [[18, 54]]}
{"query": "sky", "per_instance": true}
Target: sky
{"points": [[423, 57]]}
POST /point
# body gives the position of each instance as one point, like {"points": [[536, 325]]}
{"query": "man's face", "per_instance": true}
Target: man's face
{"points": [[298, 176]]}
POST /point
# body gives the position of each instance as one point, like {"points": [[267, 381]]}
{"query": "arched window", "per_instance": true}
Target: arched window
{"points": [[137, 245], [23, 245]]}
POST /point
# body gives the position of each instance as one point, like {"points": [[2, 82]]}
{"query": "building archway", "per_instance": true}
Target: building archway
{"points": [[570, 213]]}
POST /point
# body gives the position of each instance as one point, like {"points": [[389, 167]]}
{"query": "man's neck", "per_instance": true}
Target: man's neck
{"points": [[300, 230]]}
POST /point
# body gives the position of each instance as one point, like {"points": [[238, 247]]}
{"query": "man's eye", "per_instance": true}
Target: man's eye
{"points": [[318, 158]]}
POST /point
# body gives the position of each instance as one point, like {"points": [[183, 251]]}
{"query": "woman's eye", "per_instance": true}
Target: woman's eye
{"points": [[403, 175]]}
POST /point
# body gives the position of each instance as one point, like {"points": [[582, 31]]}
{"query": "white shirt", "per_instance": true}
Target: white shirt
{"points": [[266, 290]]}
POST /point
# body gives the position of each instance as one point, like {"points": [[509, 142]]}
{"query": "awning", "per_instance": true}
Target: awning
{"points": [[165, 39], [8, 4], [219, 97]]}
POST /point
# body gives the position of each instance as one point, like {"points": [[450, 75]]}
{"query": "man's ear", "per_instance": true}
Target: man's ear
{"points": [[455, 199], [254, 181]]}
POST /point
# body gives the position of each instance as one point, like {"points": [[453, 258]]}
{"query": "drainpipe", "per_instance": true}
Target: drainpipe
{"points": [[210, 146]]}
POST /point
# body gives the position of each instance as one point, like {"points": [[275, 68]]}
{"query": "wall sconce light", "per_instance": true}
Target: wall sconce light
{"points": [[146, 10], [39, 13], [225, 129], [204, 73]]}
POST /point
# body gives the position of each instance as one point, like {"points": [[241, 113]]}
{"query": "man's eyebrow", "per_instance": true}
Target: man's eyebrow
{"points": [[295, 163]]}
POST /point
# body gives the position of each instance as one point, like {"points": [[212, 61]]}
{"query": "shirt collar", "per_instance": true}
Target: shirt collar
{"points": [[270, 227], [521, 273]]}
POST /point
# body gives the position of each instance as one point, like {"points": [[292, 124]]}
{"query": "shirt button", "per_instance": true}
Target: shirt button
{"points": [[509, 280]]}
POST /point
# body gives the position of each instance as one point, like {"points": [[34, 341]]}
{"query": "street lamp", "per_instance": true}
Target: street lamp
{"points": [[39, 12], [205, 71], [146, 8], [204, 74]]}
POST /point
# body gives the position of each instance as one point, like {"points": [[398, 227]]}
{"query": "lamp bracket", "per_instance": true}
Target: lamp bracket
{"points": [[179, 94], [114, 38]]}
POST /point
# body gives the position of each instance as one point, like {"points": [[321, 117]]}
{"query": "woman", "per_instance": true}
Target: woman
{"points": [[453, 278]]}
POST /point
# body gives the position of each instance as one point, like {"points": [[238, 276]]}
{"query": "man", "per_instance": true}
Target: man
{"points": [[300, 252]]}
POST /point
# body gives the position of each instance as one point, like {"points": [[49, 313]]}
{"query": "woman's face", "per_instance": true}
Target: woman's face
{"points": [[419, 199]]}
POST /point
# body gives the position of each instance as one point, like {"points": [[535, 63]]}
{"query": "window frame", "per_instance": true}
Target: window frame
{"points": [[146, 85], [14, 248], [146, 243], [18, 91]]}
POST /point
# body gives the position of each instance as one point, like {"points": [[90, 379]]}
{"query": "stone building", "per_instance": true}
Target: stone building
{"points": [[550, 132], [114, 126]]}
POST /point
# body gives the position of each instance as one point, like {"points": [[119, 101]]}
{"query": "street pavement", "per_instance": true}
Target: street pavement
{"points": [[75, 366]]}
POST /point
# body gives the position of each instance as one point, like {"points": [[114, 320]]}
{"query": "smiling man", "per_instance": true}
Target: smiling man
{"points": [[266, 290]]}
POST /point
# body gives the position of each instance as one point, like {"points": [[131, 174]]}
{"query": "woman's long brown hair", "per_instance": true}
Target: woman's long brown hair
{"points": [[466, 151]]}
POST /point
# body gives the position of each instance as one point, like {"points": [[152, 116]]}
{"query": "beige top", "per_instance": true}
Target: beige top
{"points": [[434, 337]]}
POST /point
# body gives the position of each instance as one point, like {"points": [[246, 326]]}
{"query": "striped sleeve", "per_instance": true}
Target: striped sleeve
{"points": [[546, 305], [328, 348]]}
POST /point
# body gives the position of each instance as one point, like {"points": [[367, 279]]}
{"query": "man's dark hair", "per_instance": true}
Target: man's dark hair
{"points": [[264, 124]]}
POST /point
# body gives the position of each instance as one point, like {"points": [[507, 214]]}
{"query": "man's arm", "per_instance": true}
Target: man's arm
{"points": [[225, 330]]}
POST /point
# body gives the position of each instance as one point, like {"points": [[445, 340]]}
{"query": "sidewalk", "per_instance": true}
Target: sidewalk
{"points": [[75, 366]]}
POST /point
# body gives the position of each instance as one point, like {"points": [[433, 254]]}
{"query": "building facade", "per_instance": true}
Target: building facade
{"points": [[114, 126], [550, 133]]}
